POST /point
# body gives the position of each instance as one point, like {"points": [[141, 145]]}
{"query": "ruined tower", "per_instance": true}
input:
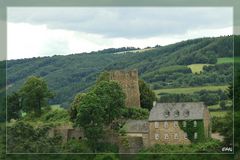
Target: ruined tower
{"points": [[129, 83]]}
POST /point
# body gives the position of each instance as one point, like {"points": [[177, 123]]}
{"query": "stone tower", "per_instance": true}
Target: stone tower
{"points": [[129, 83]]}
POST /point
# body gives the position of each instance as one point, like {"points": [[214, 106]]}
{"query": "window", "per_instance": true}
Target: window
{"points": [[195, 135], [175, 123], [166, 113], [184, 123], [156, 124], [195, 123], [186, 113], [176, 113], [156, 136], [165, 125], [175, 136], [166, 136], [185, 135]]}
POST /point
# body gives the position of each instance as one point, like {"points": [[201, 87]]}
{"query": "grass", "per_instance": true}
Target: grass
{"points": [[197, 68], [189, 90], [134, 51], [228, 60], [224, 60], [218, 113], [216, 106], [56, 107]]}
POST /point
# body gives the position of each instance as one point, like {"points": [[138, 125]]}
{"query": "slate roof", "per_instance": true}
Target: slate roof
{"points": [[177, 111], [136, 126]]}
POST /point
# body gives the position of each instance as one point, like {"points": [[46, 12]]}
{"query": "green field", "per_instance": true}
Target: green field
{"points": [[224, 60], [197, 68], [228, 60], [56, 107], [228, 103], [190, 90], [216, 106], [134, 51], [218, 114]]}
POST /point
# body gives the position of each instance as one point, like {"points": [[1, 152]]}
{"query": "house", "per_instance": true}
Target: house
{"points": [[172, 123], [179, 123]]}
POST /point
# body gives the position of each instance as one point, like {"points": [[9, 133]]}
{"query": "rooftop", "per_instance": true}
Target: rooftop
{"points": [[177, 111], [136, 126]]}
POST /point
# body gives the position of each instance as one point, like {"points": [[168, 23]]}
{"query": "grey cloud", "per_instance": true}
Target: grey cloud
{"points": [[131, 22]]}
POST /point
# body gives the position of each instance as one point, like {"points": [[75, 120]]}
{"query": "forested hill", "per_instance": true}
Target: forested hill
{"points": [[161, 66]]}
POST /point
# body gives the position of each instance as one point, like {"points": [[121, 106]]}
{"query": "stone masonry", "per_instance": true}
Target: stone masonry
{"points": [[129, 83]]}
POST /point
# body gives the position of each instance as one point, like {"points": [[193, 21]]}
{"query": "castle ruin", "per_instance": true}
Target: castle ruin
{"points": [[129, 83]]}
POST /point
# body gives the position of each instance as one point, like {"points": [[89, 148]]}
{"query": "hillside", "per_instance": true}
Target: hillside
{"points": [[160, 66]]}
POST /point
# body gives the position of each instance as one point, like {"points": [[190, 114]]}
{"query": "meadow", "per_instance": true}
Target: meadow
{"points": [[197, 68], [189, 90]]}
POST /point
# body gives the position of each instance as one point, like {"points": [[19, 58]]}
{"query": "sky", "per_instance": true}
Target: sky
{"points": [[48, 31]]}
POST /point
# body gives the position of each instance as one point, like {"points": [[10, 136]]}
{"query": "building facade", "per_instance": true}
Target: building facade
{"points": [[172, 123]]}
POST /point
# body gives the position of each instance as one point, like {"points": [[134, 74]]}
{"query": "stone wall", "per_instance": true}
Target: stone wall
{"points": [[67, 133], [129, 83], [171, 130]]}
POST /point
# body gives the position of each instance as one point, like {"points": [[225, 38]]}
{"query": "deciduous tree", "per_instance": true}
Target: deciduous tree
{"points": [[35, 94]]}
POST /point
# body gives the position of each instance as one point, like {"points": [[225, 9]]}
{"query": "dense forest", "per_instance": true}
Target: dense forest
{"points": [[160, 66]]}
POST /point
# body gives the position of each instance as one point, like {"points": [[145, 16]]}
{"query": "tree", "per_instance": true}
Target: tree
{"points": [[104, 76], [13, 106], [112, 99], [227, 124], [75, 105], [223, 105], [35, 94], [91, 117], [147, 96], [25, 138]]}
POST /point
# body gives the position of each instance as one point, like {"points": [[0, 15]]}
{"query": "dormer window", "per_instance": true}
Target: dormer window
{"points": [[176, 113], [166, 113], [186, 113]]}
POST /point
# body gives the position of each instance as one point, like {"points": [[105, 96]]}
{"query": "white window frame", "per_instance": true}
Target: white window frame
{"points": [[156, 125], [157, 136], [165, 124], [195, 123], [195, 135], [166, 136], [185, 135], [184, 123], [176, 136]]}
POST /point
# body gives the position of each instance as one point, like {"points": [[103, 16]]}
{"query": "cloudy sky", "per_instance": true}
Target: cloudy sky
{"points": [[48, 31]]}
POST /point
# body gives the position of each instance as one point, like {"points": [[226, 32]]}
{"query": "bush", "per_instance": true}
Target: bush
{"points": [[76, 146], [24, 138], [135, 113]]}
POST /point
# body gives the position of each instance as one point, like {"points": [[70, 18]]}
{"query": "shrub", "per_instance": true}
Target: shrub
{"points": [[135, 113]]}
